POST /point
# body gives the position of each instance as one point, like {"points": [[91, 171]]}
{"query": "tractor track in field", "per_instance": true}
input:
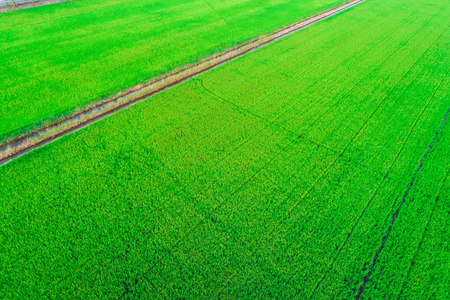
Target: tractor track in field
{"points": [[342, 153], [319, 283], [5, 7], [18, 146], [424, 233], [397, 211]]}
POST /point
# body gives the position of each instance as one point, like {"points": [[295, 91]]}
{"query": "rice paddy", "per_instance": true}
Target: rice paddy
{"points": [[316, 167]]}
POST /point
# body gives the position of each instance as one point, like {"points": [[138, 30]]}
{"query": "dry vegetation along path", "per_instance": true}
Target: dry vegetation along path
{"points": [[25, 143], [9, 5]]}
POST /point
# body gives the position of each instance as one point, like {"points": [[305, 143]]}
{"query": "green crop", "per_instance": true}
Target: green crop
{"points": [[272, 176], [57, 58]]}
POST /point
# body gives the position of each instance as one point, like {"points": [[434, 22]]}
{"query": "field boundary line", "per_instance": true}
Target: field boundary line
{"points": [[31, 4], [18, 146]]}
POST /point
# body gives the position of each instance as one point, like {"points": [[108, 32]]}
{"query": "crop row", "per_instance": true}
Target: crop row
{"points": [[273, 175], [57, 58]]}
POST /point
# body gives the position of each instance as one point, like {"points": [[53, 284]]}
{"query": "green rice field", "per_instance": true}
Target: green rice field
{"points": [[56, 58], [316, 167]]}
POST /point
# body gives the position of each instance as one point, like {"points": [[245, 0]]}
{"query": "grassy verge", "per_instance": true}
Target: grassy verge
{"points": [[23, 143], [57, 58]]}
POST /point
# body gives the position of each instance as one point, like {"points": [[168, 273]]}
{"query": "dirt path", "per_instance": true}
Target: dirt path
{"points": [[10, 5], [25, 143]]}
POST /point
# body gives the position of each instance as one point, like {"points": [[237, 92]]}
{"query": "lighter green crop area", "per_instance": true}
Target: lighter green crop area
{"points": [[272, 176], [56, 58]]}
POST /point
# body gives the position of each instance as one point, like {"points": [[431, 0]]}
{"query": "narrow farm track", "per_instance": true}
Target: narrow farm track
{"points": [[9, 5], [397, 211], [21, 145]]}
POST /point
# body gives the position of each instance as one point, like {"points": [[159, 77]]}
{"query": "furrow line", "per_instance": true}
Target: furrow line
{"points": [[27, 142], [351, 141], [396, 213], [378, 188], [419, 246], [220, 204], [273, 123]]}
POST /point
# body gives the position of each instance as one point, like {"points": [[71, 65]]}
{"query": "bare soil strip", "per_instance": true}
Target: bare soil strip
{"points": [[24, 143], [395, 215], [30, 4]]}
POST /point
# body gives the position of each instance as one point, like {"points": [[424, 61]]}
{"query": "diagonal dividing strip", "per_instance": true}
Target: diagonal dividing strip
{"points": [[27, 4], [23, 144]]}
